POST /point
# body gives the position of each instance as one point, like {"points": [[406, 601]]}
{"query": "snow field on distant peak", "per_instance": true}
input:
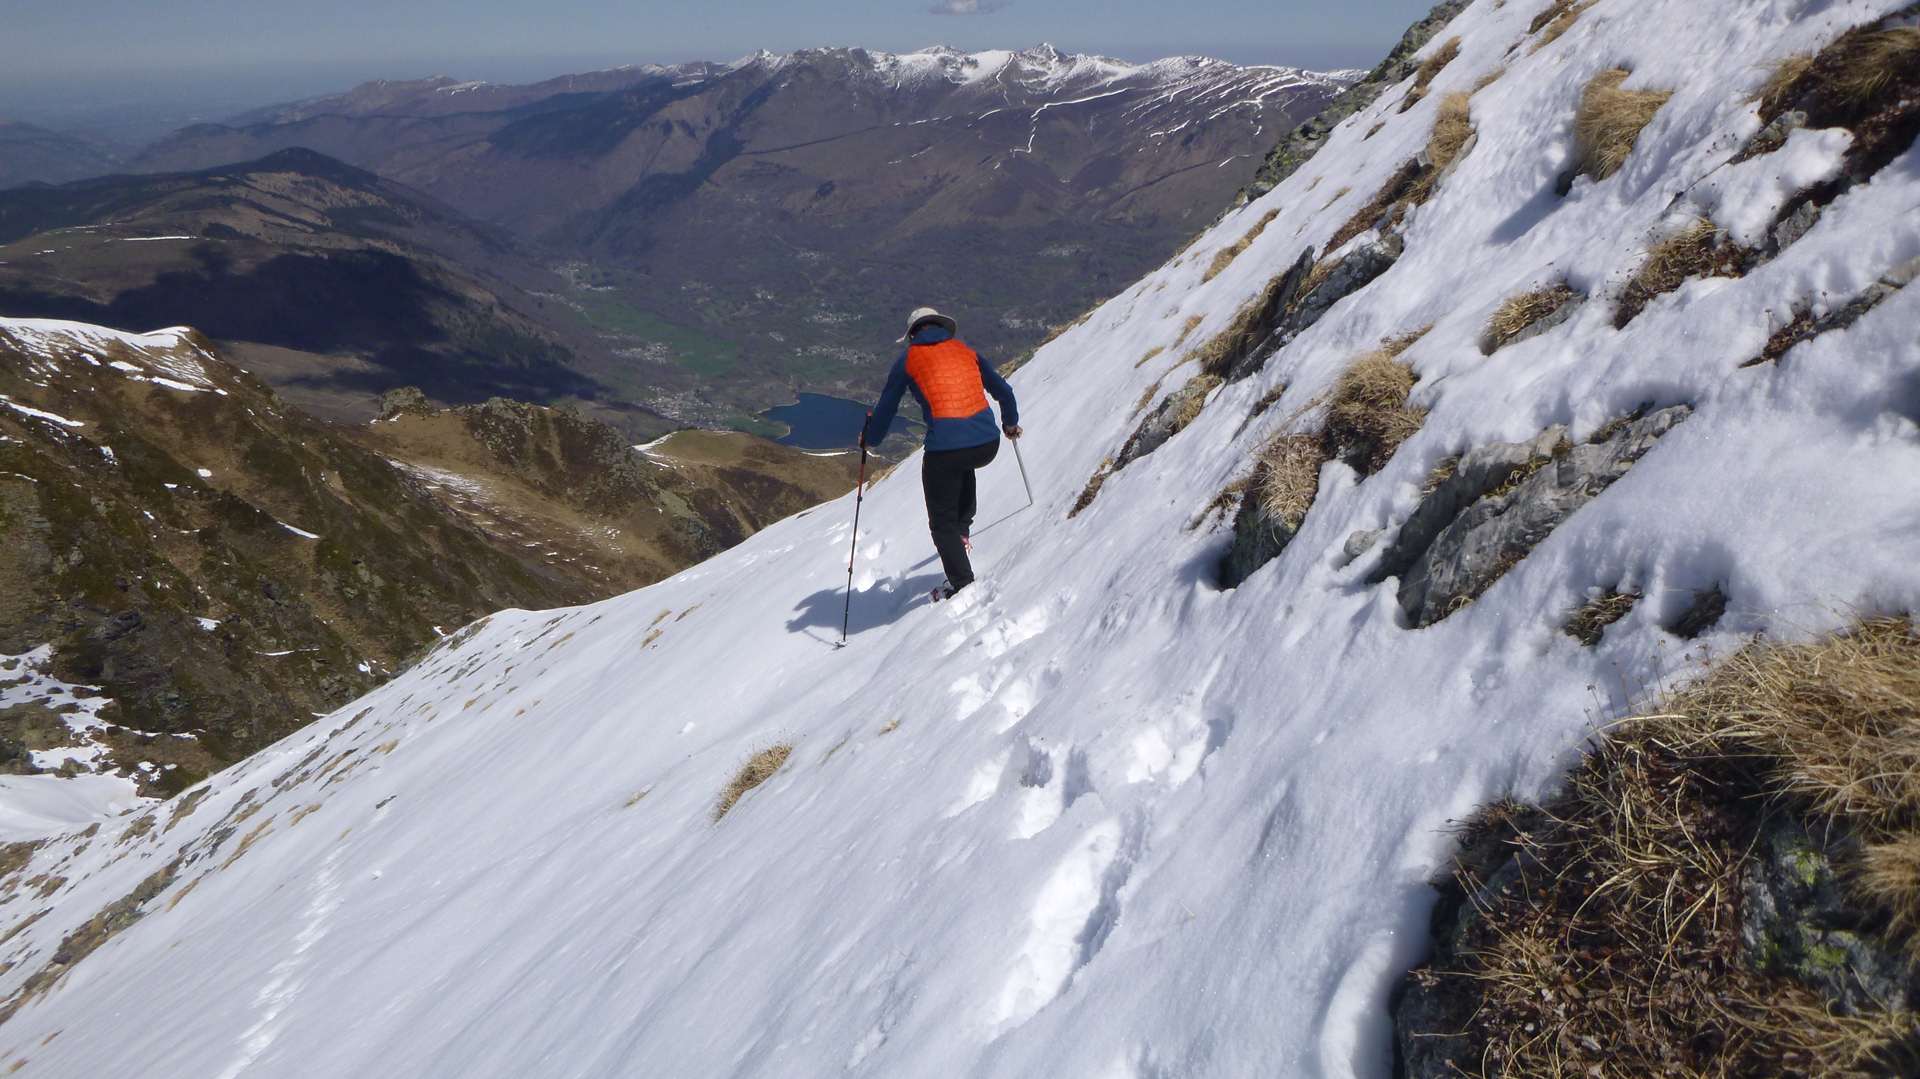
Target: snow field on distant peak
{"points": [[166, 358]]}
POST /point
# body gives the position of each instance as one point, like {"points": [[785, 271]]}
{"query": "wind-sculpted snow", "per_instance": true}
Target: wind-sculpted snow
{"points": [[1096, 816]]}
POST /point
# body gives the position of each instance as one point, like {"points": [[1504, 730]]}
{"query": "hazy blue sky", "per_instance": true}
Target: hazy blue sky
{"points": [[210, 54]]}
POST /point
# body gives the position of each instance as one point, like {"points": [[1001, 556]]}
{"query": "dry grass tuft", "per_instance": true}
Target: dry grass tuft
{"points": [[1336, 197], [1092, 490], [1232, 251], [1777, 94], [1441, 472], [1223, 503], [1368, 416], [1186, 330], [1268, 400], [1590, 620], [1611, 943], [1841, 718], [1557, 20], [1693, 251], [1781, 341], [1150, 354], [1399, 343], [1889, 877], [1193, 400], [1867, 80], [1519, 312], [1869, 63], [1286, 477], [1452, 127], [1317, 276], [759, 768], [1488, 79], [1430, 67], [1386, 199], [1146, 397], [1609, 122], [1216, 355]]}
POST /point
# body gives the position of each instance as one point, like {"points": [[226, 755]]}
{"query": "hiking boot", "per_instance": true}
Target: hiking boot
{"points": [[944, 591]]}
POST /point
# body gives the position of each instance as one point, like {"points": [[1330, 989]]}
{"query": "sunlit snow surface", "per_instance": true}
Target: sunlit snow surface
{"points": [[1095, 817]]}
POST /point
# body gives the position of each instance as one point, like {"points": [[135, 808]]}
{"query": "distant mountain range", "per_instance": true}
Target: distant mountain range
{"points": [[730, 233], [325, 278], [31, 154]]}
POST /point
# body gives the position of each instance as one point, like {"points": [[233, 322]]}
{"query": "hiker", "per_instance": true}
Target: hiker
{"points": [[951, 382]]}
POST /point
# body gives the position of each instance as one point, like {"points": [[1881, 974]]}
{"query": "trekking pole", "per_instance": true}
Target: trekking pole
{"points": [[1022, 462], [853, 545]]}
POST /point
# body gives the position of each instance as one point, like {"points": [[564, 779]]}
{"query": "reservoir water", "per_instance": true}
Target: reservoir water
{"points": [[820, 422]]}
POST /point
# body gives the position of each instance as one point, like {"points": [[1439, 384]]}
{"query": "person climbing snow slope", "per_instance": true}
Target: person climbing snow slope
{"points": [[951, 382]]}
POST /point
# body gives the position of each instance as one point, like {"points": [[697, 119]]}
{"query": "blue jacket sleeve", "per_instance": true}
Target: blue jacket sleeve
{"points": [[881, 419], [1002, 392]]}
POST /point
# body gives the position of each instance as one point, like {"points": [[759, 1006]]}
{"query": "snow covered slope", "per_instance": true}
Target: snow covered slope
{"points": [[1098, 816]]}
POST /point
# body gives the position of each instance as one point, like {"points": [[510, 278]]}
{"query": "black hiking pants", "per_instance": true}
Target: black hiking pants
{"points": [[947, 478]]}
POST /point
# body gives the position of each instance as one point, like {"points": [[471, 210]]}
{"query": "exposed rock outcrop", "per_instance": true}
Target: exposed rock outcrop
{"points": [[1797, 920], [1306, 294], [1168, 418], [1501, 501], [1299, 146], [404, 401], [1804, 326], [1259, 537]]}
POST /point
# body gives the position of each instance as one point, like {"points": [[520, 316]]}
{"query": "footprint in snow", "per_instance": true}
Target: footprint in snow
{"points": [[1042, 801], [982, 784], [1171, 751], [1070, 920]]}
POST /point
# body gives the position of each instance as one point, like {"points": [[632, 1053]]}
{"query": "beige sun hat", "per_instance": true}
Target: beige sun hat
{"points": [[928, 314]]}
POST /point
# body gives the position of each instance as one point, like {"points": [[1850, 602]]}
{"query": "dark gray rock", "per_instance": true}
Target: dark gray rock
{"points": [[1476, 472], [1793, 225], [1488, 537], [1355, 271], [118, 626], [1773, 136], [1359, 543], [1167, 419], [1797, 921], [1869, 298], [1805, 328], [404, 401], [1248, 351], [1258, 538]]}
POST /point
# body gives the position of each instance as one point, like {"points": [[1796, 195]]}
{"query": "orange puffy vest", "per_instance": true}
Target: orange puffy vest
{"points": [[948, 374]]}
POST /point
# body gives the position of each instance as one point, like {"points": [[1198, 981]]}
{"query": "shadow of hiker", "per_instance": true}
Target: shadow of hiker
{"points": [[881, 604], [1531, 213]]}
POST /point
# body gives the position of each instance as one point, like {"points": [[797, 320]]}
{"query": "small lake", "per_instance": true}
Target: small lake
{"points": [[820, 422]]}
